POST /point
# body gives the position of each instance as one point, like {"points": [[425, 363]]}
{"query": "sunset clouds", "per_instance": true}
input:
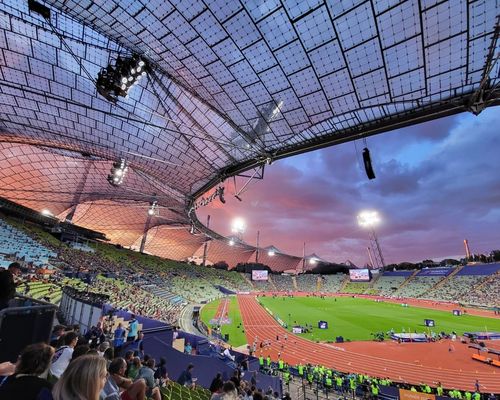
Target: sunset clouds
{"points": [[437, 183]]}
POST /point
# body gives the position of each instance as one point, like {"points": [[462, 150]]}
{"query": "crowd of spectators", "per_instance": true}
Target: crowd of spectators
{"points": [[346, 385], [283, 283]]}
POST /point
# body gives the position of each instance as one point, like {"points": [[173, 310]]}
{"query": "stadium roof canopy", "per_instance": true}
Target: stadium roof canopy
{"points": [[232, 85]]}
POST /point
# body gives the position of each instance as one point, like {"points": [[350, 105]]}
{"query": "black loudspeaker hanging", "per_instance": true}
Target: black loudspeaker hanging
{"points": [[368, 164]]}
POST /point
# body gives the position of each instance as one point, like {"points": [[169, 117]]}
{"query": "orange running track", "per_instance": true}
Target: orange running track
{"points": [[409, 362]]}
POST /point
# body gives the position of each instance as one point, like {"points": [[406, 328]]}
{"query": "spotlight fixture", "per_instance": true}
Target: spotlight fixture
{"points": [[191, 231], [46, 213], [153, 207], [116, 80], [231, 242], [220, 191], [118, 172]]}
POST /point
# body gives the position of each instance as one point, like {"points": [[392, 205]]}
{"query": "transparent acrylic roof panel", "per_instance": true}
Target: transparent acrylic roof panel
{"points": [[321, 59], [272, 74]]}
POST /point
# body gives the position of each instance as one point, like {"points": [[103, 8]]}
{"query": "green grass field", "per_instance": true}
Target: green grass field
{"points": [[356, 319], [236, 335]]}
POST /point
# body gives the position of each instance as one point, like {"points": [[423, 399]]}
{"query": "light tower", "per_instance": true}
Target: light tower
{"points": [[239, 226], [369, 219]]}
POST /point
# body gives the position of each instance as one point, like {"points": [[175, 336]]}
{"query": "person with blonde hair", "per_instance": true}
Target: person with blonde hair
{"points": [[84, 379]]}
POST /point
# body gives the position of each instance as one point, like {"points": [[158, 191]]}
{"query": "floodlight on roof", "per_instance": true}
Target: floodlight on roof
{"points": [[313, 261], [116, 80], [271, 253], [231, 242], [368, 219], [118, 172], [46, 213], [238, 226], [153, 208]]}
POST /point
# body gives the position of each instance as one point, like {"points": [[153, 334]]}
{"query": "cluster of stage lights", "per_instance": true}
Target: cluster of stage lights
{"points": [[153, 208], [118, 172], [116, 80]]}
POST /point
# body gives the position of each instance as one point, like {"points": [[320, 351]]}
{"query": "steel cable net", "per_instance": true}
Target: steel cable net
{"points": [[230, 84], [175, 243]]}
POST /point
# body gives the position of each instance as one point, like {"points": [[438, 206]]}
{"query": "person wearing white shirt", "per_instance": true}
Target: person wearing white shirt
{"points": [[228, 354], [63, 354]]}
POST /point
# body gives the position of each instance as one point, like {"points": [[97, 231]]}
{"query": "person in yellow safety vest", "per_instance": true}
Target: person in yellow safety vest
{"points": [[468, 395], [476, 396], [374, 390], [352, 384], [439, 389], [261, 361], [329, 372], [427, 389], [451, 393], [458, 394], [301, 370], [339, 382], [286, 377], [328, 382], [412, 389], [268, 361], [310, 378], [281, 364]]}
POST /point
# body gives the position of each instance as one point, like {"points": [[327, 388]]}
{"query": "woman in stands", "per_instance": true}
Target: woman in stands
{"points": [[82, 380], [25, 383]]}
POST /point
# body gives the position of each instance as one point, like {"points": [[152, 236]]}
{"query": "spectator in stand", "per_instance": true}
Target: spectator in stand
{"points": [[161, 374], [236, 378], [63, 355], [95, 335], [80, 350], [133, 326], [147, 373], [57, 333], [7, 288], [117, 382], [15, 269], [119, 339], [228, 392], [186, 377], [26, 383], [188, 348], [217, 383], [133, 368], [83, 379], [137, 346]]}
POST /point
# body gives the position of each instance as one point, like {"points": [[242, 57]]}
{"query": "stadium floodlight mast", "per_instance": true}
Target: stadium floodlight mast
{"points": [[239, 226], [368, 220]]}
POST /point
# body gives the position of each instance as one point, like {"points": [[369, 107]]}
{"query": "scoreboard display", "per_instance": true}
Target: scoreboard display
{"points": [[359, 275], [259, 275]]}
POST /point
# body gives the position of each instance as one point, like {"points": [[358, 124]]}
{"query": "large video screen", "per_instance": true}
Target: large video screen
{"points": [[359, 275], [258, 275]]}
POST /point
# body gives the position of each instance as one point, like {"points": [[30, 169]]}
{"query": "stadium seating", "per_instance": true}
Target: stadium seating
{"points": [[356, 287], [307, 282], [389, 282], [332, 283], [283, 283], [418, 286], [174, 391], [14, 242]]}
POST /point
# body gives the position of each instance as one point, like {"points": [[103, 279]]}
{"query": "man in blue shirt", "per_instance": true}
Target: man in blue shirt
{"points": [[133, 326], [119, 339]]}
